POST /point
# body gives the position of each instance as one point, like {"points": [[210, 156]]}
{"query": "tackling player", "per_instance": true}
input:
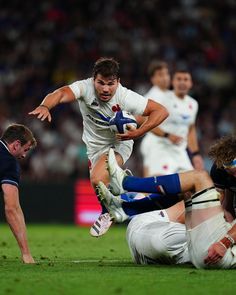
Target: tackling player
{"points": [[15, 143], [99, 98], [211, 239]]}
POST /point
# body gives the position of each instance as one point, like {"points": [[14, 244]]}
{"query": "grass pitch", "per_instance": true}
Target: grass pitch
{"points": [[69, 261]]}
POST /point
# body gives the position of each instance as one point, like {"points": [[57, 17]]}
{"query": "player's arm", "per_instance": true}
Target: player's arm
{"points": [[16, 221], [175, 139], [61, 95], [217, 250], [194, 148], [159, 132], [155, 113]]}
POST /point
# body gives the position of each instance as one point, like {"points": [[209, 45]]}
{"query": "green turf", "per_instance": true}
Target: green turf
{"points": [[69, 261]]}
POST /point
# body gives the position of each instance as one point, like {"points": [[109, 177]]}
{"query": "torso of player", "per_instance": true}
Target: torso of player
{"points": [[96, 113], [182, 114]]}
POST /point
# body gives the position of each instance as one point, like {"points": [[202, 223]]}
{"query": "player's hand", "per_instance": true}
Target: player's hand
{"points": [[175, 139], [28, 259], [132, 133], [42, 113], [215, 253]]}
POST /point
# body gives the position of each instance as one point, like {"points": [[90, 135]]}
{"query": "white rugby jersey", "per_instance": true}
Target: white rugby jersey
{"points": [[156, 94], [96, 113], [182, 114]]}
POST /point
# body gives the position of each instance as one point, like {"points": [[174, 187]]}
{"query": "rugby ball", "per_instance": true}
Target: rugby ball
{"points": [[119, 122]]}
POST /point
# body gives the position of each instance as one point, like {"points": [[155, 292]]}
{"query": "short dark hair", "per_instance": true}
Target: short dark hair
{"points": [[182, 70], [19, 132], [224, 150], [156, 65], [107, 67]]}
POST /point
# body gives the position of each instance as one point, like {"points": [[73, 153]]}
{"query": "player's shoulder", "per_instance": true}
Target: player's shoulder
{"points": [[123, 92], [7, 162], [191, 99], [83, 89], [156, 94]]}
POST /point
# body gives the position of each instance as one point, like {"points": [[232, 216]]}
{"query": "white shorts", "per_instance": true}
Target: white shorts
{"points": [[201, 237], [124, 148], [162, 159], [153, 239]]}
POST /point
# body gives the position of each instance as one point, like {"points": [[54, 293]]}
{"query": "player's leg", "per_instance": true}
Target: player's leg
{"points": [[153, 238], [168, 184], [122, 208], [98, 173]]}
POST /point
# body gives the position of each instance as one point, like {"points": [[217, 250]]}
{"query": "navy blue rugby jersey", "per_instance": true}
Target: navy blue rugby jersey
{"points": [[222, 179], [9, 167]]}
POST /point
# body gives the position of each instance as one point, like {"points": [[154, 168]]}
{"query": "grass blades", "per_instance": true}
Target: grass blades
{"points": [[69, 261]]}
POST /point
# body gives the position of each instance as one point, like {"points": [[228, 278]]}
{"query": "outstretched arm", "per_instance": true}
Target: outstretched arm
{"points": [[15, 219], [61, 95]]}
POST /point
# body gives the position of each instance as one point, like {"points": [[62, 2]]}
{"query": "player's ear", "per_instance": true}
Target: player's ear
{"points": [[16, 145]]}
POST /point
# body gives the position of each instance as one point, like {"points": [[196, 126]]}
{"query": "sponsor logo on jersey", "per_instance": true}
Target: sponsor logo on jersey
{"points": [[95, 103], [185, 117], [97, 121]]}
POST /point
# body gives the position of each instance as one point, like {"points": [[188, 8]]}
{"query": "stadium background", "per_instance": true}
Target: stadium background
{"points": [[52, 43]]}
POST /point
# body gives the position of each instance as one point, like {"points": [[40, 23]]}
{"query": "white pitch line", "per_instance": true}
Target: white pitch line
{"points": [[100, 260]]}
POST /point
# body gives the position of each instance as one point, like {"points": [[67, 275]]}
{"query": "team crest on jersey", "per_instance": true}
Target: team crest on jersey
{"points": [[116, 108]]}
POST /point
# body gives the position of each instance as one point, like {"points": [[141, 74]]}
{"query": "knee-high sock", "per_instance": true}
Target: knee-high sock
{"points": [[166, 184], [149, 203]]}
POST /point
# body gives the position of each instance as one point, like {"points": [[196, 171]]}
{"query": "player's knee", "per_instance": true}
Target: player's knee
{"points": [[202, 176], [94, 179]]}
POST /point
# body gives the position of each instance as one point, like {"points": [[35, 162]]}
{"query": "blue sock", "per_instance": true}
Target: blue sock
{"points": [[128, 197], [149, 203], [166, 184]]}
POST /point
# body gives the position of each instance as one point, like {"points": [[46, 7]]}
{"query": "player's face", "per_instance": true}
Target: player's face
{"points": [[105, 87], [161, 78], [20, 151], [182, 83]]}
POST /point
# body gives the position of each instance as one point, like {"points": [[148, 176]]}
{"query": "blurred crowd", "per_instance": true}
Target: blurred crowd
{"points": [[47, 44]]}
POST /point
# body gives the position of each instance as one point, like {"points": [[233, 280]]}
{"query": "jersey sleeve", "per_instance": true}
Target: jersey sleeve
{"points": [[134, 102], [79, 88], [195, 109], [155, 95], [11, 173]]}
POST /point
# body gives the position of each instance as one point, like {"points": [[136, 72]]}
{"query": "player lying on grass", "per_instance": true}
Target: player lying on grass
{"points": [[15, 143], [210, 239]]}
